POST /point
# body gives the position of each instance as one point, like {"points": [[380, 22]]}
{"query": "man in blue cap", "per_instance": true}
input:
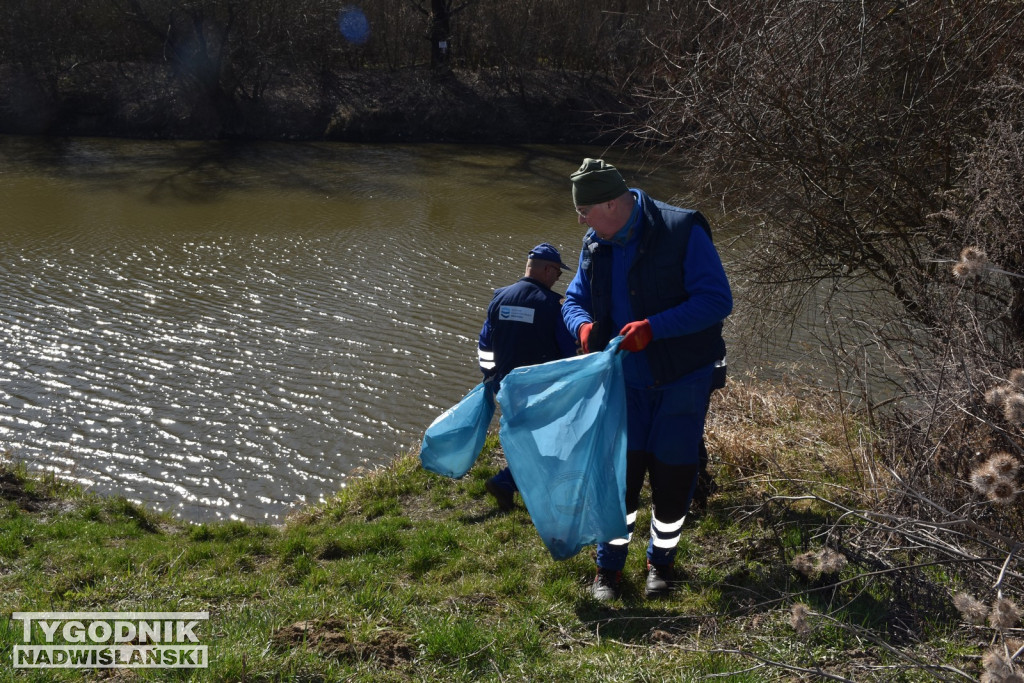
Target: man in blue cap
{"points": [[524, 326], [650, 272]]}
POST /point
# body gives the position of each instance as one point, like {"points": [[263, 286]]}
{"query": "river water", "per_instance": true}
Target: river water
{"points": [[227, 331]]}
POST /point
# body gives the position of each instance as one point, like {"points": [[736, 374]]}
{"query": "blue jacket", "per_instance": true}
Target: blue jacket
{"points": [[524, 326], [659, 268]]}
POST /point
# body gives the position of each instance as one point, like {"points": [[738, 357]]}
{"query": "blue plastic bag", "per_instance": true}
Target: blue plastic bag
{"points": [[454, 440], [563, 429]]}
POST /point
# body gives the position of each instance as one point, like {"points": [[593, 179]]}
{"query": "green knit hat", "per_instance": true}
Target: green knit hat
{"points": [[596, 182]]}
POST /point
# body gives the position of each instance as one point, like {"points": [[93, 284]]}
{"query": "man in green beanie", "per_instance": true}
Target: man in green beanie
{"points": [[596, 182], [648, 271]]}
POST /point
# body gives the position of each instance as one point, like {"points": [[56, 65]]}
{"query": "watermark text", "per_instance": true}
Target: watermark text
{"points": [[105, 640]]}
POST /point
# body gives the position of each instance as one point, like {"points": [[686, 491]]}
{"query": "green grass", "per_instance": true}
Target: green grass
{"points": [[408, 576]]}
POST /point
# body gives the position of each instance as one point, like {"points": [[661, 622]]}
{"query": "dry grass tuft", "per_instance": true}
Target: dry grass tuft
{"points": [[766, 433]]}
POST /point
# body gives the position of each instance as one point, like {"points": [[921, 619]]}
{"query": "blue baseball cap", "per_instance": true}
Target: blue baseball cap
{"points": [[546, 252]]}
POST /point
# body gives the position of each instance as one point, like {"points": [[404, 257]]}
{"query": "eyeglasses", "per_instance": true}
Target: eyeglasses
{"points": [[585, 211]]}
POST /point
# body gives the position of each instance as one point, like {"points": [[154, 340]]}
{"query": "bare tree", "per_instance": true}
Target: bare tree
{"points": [[439, 14]]}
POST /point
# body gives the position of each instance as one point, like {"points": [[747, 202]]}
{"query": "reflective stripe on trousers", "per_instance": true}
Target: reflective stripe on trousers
{"points": [[672, 488], [664, 535]]}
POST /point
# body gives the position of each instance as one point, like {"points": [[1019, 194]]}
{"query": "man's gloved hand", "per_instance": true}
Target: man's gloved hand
{"points": [[636, 336], [585, 336]]}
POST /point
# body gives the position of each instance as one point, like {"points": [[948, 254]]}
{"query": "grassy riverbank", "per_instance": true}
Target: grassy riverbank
{"points": [[409, 576]]}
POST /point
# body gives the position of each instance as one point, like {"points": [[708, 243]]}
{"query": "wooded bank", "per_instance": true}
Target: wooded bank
{"points": [[390, 70]]}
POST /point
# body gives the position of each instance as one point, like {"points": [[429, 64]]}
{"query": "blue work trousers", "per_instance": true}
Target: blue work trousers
{"points": [[665, 428]]}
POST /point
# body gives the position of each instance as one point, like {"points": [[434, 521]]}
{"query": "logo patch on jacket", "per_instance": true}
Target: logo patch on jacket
{"points": [[519, 314]]}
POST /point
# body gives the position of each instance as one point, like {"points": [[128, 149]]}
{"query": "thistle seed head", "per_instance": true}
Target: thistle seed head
{"points": [[996, 396], [1004, 465], [983, 479], [973, 254], [1004, 614], [830, 562], [1003, 493], [804, 564], [996, 666], [824, 561], [798, 618], [966, 269], [972, 610], [972, 263], [1016, 379], [1013, 408]]}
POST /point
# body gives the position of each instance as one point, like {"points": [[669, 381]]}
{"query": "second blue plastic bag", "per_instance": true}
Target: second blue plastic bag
{"points": [[563, 429], [453, 441]]}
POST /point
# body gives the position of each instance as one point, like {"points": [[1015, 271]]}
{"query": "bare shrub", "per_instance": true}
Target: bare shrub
{"points": [[871, 146], [847, 133], [877, 154]]}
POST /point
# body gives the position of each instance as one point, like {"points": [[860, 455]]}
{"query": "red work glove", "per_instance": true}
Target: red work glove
{"points": [[636, 336], [585, 336]]}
